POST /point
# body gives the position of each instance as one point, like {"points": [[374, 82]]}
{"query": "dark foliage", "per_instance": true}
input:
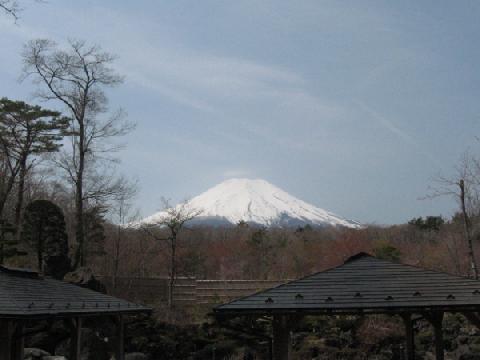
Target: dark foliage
{"points": [[206, 341], [44, 232], [430, 223], [386, 251]]}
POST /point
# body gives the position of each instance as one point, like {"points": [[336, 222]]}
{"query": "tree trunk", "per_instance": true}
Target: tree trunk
{"points": [[4, 194], [79, 231], [468, 235], [116, 259], [40, 249], [20, 193], [173, 271], [2, 245]]}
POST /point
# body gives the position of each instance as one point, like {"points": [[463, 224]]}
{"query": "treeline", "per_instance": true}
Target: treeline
{"points": [[249, 252]]}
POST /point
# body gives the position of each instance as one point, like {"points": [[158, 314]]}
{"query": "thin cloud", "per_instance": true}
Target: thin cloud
{"points": [[387, 124], [396, 130]]}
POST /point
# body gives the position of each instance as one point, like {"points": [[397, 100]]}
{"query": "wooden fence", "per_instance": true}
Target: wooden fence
{"points": [[187, 291]]}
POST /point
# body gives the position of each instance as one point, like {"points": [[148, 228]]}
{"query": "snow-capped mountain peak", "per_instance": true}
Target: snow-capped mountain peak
{"points": [[256, 201]]}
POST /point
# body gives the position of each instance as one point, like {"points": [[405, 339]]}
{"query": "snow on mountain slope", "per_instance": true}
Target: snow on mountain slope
{"points": [[258, 202]]}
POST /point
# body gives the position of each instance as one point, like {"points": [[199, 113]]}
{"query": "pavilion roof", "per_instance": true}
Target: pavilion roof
{"points": [[27, 294], [364, 284]]}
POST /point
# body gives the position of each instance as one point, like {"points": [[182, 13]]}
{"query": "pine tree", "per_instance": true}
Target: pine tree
{"points": [[26, 131], [44, 232]]}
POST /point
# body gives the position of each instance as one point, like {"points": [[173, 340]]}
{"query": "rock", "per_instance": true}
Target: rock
{"points": [[469, 357], [136, 356], [84, 277], [429, 356], [55, 357], [34, 353]]}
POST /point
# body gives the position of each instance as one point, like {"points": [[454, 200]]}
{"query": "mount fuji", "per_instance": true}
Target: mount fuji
{"points": [[255, 202]]}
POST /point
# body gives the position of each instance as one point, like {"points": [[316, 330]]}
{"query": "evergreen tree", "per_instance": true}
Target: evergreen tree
{"points": [[44, 232], [384, 250], [430, 223], [25, 131]]}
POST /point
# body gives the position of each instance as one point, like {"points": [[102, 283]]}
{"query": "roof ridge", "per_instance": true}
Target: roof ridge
{"points": [[416, 280], [363, 254], [23, 272]]}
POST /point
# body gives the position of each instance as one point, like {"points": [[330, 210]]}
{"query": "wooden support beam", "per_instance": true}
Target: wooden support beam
{"points": [[281, 337], [76, 339], [18, 341], [119, 338], [409, 336], [6, 339], [436, 319]]}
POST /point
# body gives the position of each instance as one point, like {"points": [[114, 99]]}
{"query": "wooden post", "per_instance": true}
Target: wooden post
{"points": [[6, 338], [119, 338], [270, 349], [76, 339], [18, 342], [409, 336], [281, 337], [438, 330], [436, 319]]}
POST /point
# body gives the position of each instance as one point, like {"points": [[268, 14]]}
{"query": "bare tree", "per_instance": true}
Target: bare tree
{"points": [[124, 214], [464, 188], [167, 228], [77, 78]]}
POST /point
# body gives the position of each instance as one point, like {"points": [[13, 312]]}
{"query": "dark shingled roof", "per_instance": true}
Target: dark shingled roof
{"points": [[364, 284], [24, 293]]}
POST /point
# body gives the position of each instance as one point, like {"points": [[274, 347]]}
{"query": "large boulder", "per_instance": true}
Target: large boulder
{"points": [[34, 354], [84, 277]]}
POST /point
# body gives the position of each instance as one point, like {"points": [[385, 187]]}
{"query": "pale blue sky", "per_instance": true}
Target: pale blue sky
{"points": [[352, 106]]}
